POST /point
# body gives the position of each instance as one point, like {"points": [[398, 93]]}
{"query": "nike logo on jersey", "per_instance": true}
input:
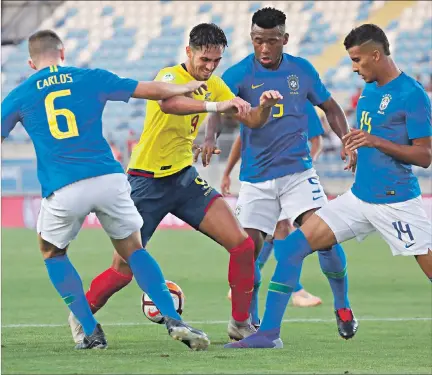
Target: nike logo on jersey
{"points": [[256, 86], [315, 198], [361, 96], [408, 245]]}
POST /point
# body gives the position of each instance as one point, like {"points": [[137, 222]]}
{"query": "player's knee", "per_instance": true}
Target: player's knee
{"points": [[283, 228], [49, 250]]}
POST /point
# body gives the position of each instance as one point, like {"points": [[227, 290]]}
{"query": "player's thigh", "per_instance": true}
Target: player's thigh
{"points": [[300, 193], [153, 199], [258, 206], [203, 208], [62, 213], [114, 207], [343, 216], [405, 226]]}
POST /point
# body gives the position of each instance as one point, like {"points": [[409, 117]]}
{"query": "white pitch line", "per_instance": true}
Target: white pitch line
{"points": [[223, 322]]}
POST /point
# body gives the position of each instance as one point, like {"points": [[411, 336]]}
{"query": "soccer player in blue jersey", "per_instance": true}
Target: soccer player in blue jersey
{"points": [[300, 297], [393, 133], [61, 109], [276, 172]]}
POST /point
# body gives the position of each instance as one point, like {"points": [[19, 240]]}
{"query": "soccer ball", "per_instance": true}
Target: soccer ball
{"points": [[151, 311]]}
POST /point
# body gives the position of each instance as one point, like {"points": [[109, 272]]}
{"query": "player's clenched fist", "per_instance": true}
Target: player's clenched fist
{"points": [[236, 105], [270, 98], [196, 87]]}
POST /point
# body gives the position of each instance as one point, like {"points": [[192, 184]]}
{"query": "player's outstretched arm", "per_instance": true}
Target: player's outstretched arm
{"points": [[419, 153], [163, 90], [233, 158], [258, 116]]}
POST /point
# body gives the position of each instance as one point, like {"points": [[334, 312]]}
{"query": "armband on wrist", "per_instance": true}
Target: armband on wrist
{"points": [[211, 106]]}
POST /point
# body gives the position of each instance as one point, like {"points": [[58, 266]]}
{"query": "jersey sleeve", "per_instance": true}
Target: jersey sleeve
{"points": [[232, 79], [9, 115], [317, 92], [223, 91], [169, 75], [315, 127], [418, 115], [113, 87]]}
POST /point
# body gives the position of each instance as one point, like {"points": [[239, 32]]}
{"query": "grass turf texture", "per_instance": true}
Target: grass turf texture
{"points": [[387, 294]]}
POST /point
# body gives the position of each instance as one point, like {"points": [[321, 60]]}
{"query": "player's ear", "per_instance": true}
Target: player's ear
{"points": [[285, 39], [32, 65], [62, 54], [376, 55], [189, 52]]}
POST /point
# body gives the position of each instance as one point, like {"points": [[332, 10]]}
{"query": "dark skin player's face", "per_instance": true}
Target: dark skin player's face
{"points": [[365, 61], [268, 45]]}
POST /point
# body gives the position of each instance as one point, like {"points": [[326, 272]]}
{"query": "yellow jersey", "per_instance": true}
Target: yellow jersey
{"points": [[165, 146]]}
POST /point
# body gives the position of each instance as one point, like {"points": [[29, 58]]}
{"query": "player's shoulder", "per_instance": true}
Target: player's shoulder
{"points": [[299, 61], [240, 68], [170, 73], [411, 86]]}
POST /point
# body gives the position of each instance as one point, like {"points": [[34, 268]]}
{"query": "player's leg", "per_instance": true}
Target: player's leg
{"points": [[122, 221], [203, 208], [60, 219], [300, 297], [406, 227], [336, 222], [301, 201]]}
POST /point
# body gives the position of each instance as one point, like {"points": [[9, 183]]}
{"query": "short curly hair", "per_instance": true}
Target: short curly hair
{"points": [[268, 18]]}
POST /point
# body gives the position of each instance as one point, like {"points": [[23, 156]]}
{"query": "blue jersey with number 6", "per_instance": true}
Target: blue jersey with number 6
{"points": [[61, 110], [400, 112], [280, 147]]}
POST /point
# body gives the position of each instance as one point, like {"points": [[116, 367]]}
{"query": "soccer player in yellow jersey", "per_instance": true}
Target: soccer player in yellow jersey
{"points": [[164, 181]]}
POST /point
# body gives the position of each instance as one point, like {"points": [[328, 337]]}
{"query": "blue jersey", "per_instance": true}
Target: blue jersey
{"points": [[399, 111], [281, 146], [61, 110]]}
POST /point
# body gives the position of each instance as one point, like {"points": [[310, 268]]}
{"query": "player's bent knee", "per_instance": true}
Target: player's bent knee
{"points": [[49, 250], [127, 246], [318, 233]]}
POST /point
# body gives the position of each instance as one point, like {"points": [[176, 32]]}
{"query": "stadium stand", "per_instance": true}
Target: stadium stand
{"points": [[136, 39]]}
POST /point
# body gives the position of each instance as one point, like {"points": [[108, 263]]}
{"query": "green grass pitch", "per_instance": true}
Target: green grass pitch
{"points": [[389, 295]]}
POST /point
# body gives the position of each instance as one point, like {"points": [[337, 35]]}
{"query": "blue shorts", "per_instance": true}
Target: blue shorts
{"points": [[184, 194]]}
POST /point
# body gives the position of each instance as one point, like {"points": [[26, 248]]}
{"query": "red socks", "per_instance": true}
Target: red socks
{"points": [[104, 286], [241, 278]]}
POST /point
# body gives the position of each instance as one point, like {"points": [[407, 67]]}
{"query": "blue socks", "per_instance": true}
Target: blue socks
{"points": [[253, 309], [333, 265], [289, 254], [264, 254], [151, 280], [68, 283]]}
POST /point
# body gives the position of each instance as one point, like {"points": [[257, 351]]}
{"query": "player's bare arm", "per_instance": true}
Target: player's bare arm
{"points": [[163, 90], [183, 105], [419, 153], [338, 123], [233, 158], [316, 147]]}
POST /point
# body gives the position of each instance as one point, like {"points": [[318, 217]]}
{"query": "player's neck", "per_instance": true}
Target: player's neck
{"points": [[390, 71], [46, 63]]}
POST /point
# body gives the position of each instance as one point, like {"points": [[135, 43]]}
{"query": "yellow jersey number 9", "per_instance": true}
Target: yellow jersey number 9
{"points": [[52, 114]]}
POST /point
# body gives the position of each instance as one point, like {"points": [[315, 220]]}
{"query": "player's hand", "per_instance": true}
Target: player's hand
{"points": [[236, 105], [196, 87], [270, 98], [225, 185], [207, 150], [358, 138], [350, 157]]}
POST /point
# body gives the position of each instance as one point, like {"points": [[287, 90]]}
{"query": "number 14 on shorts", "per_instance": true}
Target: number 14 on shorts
{"points": [[401, 229]]}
